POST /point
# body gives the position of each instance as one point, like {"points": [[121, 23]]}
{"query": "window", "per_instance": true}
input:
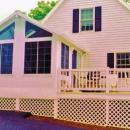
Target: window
{"points": [[87, 19], [78, 60], [64, 56], [37, 57], [6, 55], [74, 59], [123, 60], [8, 32], [33, 31]]}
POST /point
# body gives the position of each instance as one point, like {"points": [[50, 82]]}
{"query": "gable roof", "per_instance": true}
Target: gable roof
{"points": [[61, 2], [24, 16]]}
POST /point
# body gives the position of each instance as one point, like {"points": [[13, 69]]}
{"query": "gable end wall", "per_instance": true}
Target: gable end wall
{"points": [[114, 36]]}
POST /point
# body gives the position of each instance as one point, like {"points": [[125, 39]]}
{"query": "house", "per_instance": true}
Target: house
{"points": [[73, 65]]}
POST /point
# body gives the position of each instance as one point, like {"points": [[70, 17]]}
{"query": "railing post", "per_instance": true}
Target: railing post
{"points": [[107, 81], [70, 78], [59, 80]]}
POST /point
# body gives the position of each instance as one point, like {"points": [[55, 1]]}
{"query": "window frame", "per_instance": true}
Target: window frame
{"points": [[80, 19], [115, 57], [121, 59], [7, 25], [65, 54], [5, 43], [37, 59]]}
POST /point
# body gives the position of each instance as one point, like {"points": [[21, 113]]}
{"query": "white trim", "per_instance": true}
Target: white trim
{"points": [[31, 33], [38, 39], [69, 42], [7, 41], [80, 9], [124, 4], [8, 24]]}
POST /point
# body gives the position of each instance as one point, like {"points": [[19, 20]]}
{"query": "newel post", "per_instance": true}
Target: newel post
{"points": [[107, 80]]}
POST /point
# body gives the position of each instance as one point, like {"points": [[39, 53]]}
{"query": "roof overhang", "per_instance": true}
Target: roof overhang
{"points": [[69, 42], [62, 38]]}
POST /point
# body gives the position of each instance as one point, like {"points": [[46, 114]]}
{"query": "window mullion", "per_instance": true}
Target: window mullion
{"points": [[37, 57]]}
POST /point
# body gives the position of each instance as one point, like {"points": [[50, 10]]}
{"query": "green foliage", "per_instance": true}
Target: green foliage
{"points": [[127, 1], [42, 9]]}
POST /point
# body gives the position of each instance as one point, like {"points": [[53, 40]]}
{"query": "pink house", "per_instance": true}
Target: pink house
{"points": [[74, 65]]}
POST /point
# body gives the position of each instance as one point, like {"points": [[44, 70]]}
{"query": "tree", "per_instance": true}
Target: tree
{"points": [[127, 1], [42, 9]]}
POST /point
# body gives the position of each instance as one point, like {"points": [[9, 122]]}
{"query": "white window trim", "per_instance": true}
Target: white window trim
{"points": [[93, 19], [38, 39], [38, 74], [2, 43]]}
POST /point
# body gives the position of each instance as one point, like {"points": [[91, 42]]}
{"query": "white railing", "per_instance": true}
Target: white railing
{"points": [[94, 80]]}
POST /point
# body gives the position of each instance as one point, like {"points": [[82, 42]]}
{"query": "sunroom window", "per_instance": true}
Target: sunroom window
{"points": [[87, 19], [33, 31], [8, 32], [37, 57], [6, 56], [64, 56]]}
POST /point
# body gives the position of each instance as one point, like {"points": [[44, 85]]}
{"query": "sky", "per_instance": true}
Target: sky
{"points": [[9, 6]]}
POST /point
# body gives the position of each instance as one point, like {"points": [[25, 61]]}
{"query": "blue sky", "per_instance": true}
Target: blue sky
{"points": [[9, 6]]}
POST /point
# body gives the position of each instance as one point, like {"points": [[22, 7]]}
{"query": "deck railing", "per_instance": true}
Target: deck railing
{"points": [[94, 80]]}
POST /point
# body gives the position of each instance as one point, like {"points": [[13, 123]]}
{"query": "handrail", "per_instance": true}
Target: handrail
{"points": [[94, 79]]}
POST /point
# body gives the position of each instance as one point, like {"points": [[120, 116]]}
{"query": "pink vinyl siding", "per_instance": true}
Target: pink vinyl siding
{"points": [[114, 36]]}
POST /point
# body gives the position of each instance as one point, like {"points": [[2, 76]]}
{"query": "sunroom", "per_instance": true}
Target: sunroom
{"points": [[31, 57]]}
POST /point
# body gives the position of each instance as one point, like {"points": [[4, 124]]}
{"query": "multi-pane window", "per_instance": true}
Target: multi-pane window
{"points": [[87, 19], [64, 56], [37, 57], [123, 60], [6, 55]]}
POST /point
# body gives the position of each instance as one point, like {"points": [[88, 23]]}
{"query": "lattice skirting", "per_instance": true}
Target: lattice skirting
{"points": [[115, 113], [82, 110], [7, 103], [41, 107]]}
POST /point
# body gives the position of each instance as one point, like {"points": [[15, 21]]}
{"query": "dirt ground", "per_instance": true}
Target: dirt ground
{"points": [[76, 125]]}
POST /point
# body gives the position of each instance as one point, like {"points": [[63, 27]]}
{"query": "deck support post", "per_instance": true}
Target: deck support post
{"points": [[55, 108], [17, 104]]}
